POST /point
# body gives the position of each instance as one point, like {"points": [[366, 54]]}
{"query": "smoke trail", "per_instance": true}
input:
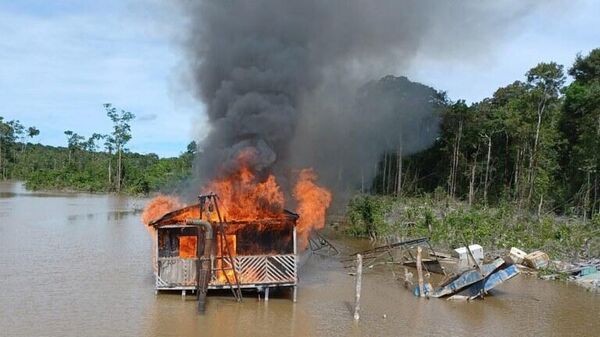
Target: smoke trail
{"points": [[345, 145], [279, 76]]}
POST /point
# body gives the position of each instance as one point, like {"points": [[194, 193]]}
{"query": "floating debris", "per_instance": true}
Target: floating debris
{"points": [[536, 260], [476, 280], [586, 275], [466, 255], [516, 255], [502, 274], [473, 283], [386, 254]]}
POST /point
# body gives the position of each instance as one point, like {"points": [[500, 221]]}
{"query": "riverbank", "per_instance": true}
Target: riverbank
{"points": [[44, 167], [449, 223], [570, 242], [19, 187]]}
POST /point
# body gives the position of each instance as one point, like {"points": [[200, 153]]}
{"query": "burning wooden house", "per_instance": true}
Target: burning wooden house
{"points": [[197, 250]]}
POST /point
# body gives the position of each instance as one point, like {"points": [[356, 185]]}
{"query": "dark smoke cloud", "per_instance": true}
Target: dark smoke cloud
{"points": [[280, 76], [392, 114]]}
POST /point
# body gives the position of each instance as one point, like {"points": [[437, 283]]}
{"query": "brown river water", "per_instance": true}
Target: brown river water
{"points": [[75, 264]]}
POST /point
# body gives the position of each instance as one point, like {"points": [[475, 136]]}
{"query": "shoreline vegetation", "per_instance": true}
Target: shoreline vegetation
{"points": [[98, 163], [44, 167], [448, 222], [519, 168], [50, 169]]}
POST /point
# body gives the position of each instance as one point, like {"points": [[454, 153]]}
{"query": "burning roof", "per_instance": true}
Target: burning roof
{"points": [[193, 212], [246, 196]]}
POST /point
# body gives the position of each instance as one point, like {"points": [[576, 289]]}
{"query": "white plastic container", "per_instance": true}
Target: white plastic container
{"points": [[464, 261]]}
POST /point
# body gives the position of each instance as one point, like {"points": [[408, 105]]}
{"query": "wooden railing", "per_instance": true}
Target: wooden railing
{"points": [[175, 272]]}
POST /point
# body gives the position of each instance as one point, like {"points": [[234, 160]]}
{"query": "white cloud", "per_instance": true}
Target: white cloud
{"points": [[554, 31], [59, 63], [57, 70]]}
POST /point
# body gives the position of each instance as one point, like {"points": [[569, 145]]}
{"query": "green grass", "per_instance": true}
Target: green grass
{"points": [[448, 221]]}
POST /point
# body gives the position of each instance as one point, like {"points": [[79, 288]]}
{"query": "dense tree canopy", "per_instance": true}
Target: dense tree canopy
{"points": [[534, 143], [82, 165]]}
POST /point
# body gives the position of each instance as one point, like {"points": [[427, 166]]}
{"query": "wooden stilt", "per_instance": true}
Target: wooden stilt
{"points": [[420, 272], [295, 293], [358, 286], [267, 294]]}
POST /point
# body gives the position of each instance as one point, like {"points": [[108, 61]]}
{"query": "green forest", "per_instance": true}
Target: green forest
{"points": [[535, 143], [98, 163], [519, 168]]}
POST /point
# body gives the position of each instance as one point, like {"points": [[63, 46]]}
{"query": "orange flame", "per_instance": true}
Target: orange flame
{"points": [[158, 207], [224, 271], [313, 201], [244, 197]]}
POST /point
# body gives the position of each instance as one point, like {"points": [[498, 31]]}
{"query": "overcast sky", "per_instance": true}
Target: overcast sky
{"points": [[61, 60]]}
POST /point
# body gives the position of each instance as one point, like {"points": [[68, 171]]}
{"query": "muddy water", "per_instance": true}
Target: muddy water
{"points": [[79, 265]]}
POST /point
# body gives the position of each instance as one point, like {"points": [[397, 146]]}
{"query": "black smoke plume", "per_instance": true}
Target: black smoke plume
{"points": [[283, 77]]}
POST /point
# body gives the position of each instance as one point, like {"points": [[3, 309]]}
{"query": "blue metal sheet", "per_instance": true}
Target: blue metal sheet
{"points": [[499, 276], [466, 279]]}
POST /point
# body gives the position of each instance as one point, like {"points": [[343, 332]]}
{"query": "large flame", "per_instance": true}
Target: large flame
{"points": [[156, 208], [244, 196], [313, 201], [159, 206]]}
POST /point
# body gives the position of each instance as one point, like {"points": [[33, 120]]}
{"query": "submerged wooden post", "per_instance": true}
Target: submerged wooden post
{"points": [[358, 286], [420, 272]]}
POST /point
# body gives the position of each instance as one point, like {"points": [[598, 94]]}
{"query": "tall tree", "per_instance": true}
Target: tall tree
{"points": [[546, 81], [580, 125], [109, 146], [192, 147], [508, 106], [19, 133], [74, 142], [9, 133], [5, 134], [457, 138], [90, 144], [32, 132], [121, 135]]}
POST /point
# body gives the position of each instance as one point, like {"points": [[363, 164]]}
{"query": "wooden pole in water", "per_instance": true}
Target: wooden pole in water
{"points": [[420, 272], [358, 286]]}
